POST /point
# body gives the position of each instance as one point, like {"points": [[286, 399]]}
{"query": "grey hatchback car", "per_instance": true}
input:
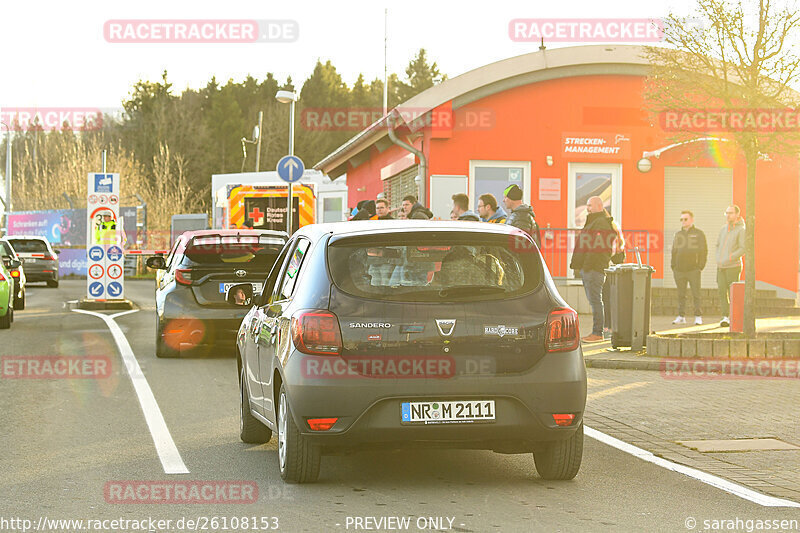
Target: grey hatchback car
{"points": [[408, 333]]}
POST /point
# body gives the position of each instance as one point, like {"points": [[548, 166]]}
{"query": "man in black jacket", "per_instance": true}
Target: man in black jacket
{"points": [[591, 257], [521, 215], [689, 254], [414, 209]]}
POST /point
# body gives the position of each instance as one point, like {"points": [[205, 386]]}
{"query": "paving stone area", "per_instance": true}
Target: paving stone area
{"points": [[654, 413]]}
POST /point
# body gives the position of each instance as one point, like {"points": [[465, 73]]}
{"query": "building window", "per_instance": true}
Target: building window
{"points": [[400, 185], [495, 176]]}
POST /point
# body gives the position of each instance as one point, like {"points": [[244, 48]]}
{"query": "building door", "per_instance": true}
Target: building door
{"points": [[592, 179], [442, 190], [706, 192]]}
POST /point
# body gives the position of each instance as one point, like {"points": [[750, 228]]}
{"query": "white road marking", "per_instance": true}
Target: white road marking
{"points": [[704, 477], [165, 446]]}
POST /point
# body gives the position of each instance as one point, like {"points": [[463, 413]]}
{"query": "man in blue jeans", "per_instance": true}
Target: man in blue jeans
{"points": [[592, 255]]}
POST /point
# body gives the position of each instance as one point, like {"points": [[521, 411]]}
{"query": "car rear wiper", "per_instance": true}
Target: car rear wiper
{"points": [[469, 289]]}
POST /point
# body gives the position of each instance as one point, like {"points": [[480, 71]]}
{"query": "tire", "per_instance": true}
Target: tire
{"points": [[52, 283], [298, 459], [19, 303], [5, 321], [560, 459], [162, 349], [251, 430]]}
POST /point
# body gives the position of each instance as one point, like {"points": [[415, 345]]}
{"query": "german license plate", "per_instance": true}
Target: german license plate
{"points": [[223, 287], [452, 412]]}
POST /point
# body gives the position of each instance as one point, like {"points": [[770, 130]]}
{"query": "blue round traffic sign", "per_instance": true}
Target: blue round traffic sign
{"points": [[96, 253], [114, 253], [96, 289], [291, 168], [115, 289]]}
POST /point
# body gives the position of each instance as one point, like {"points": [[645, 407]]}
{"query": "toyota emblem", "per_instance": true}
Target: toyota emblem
{"points": [[240, 273]]}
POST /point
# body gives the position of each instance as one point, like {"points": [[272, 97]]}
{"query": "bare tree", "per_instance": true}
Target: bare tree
{"points": [[740, 64]]}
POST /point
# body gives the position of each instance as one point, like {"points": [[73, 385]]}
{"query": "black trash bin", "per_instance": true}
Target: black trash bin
{"points": [[630, 304]]}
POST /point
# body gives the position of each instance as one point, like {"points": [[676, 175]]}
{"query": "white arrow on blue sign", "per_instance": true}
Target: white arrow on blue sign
{"points": [[96, 289], [291, 168], [114, 288]]}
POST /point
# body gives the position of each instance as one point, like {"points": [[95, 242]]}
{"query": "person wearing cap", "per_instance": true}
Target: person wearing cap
{"points": [[366, 211], [521, 215]]}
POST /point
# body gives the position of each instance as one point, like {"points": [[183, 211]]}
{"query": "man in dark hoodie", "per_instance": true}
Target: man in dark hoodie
{"points": [[461, 208], [591, 257], [689, 254], [521, 215], [730, 250], [366, 211], [414, 209]]}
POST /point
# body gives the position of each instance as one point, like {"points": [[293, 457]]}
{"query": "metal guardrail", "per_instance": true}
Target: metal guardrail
{"points": [[559, 243]]}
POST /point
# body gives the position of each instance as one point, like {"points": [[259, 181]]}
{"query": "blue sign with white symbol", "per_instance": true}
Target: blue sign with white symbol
{"points": [[96, 253], [96, 289], [406, 407], [114, 289], [291, 168], [103, 183], [114, 253]]}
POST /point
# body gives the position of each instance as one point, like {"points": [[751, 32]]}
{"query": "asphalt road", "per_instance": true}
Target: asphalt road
{"points": [[63, 442]]}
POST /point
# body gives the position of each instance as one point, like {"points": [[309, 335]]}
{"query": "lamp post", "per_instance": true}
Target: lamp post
{"points": [[289, 97], [7, 202]]}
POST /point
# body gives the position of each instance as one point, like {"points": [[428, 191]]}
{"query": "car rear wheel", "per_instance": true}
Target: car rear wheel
{"points": [[19, 303], [5, 321], [162, 349], [53, 283], [560, 459], [298, 459], [251, 430]]}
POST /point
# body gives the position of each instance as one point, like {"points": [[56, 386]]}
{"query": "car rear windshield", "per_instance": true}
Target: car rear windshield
{"points": [[28, 245], [435, 267], [212, 252]]}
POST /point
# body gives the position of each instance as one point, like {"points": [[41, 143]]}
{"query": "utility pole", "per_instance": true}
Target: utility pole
{"points": [[385, 64], [258, 143]]}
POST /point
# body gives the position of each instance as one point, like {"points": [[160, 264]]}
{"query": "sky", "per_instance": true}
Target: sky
{"points": [[55, 53]]}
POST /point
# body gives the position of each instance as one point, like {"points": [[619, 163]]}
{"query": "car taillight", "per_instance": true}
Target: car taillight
{"points": [[15, 273], [2, 277], [565, 419], [183, 276], [562, 330], [321, 424], [316, 333]]}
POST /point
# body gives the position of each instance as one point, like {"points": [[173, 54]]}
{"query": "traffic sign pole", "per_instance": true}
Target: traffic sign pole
{"points": [[291, 154], [290, 169]]}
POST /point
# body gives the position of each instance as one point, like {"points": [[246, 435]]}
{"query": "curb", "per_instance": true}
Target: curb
{"points": [[622, 364], [108, 305]]}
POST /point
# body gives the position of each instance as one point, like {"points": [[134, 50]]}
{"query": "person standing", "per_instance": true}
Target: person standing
{"points": [[689, 254], [591, 257], [730, 250], [521, 215], [382, 209], [461, 208], [414, 209], [617, 257], [489, 211]]}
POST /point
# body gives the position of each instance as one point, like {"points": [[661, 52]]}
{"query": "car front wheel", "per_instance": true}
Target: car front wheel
{"points": [[251, 430], [298, 459], [560, 459]]}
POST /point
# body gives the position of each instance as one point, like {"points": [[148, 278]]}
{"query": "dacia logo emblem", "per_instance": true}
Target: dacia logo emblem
{"points": [[446, 326], [240, 273]]}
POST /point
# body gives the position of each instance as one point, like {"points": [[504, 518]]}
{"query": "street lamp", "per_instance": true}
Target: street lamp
{"points": [[289, 97], [7, 201]]}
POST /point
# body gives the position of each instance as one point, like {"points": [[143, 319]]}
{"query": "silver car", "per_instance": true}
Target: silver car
{"points": [[38, 257]]}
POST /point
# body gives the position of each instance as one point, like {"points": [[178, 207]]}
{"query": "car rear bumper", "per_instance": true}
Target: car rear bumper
{"points": [[369, 409], [187, 322]]}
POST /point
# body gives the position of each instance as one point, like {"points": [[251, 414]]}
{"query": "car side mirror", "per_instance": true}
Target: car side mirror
{"points": [[14, 263], [240, 295], [157, 262]]}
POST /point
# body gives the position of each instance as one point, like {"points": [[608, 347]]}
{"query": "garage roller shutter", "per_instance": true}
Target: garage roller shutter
{"points": [[706, 192]]}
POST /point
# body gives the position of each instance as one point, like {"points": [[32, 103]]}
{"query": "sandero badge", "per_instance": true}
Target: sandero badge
{"points": [[446, 326]]}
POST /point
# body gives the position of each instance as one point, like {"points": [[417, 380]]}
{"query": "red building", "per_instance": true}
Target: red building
{"points": [[566, 124]]}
